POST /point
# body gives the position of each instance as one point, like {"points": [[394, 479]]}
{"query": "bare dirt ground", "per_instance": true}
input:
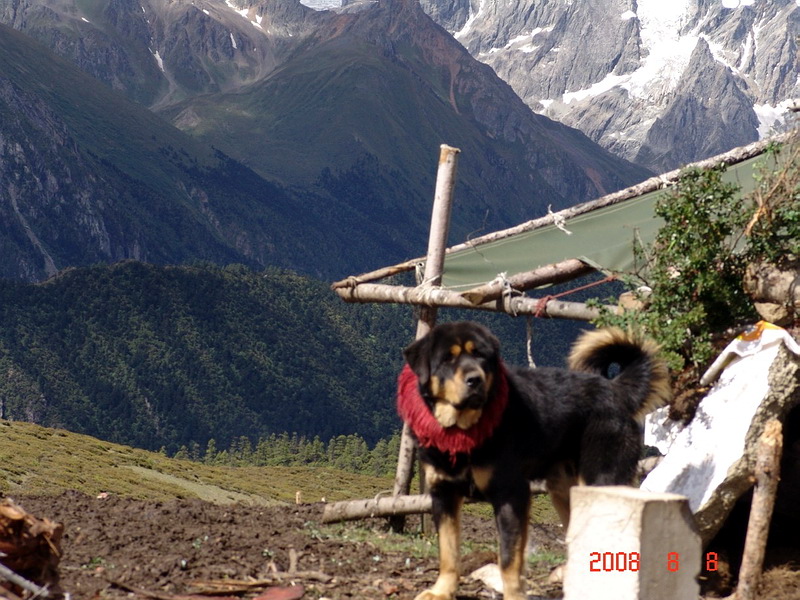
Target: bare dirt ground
{"points": [[115, 547], [121, 548]]}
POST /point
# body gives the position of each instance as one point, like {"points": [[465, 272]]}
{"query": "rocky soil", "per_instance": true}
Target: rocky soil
{"points": [[116, 547]]}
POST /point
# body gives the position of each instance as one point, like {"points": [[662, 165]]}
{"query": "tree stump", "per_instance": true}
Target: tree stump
{"points": [[30, 550]]}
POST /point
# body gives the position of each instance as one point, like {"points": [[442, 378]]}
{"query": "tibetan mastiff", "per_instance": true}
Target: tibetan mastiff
{"points": [[485, 430]]}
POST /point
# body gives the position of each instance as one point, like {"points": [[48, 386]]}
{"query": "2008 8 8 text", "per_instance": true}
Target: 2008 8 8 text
{"points": [[631, 561]]}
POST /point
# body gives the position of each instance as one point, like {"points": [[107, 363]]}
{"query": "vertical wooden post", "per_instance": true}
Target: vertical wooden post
{"points": [[627, 544], [767, 473], [434, 265]]}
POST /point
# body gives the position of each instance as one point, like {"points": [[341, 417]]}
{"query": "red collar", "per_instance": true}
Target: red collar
{"points": [[412, 409]]}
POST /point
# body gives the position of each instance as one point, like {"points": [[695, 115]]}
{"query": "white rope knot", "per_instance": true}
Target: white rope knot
{"points": [[502, 279], [508, 293], [419, 272], [529, 341], [558, 220]]}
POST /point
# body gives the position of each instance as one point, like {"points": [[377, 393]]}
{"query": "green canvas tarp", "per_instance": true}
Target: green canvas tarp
{"points": [[489, 272], [603, 238]]}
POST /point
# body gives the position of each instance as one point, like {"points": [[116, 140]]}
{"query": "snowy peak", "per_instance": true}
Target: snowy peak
{"points": [[618, 68]]}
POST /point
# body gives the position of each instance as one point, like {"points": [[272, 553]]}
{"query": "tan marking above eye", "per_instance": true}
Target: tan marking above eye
{"points": [[469, 347], [455, 350]]}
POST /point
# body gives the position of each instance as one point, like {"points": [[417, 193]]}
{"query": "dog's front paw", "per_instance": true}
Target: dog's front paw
{"points": [[433, 595]]}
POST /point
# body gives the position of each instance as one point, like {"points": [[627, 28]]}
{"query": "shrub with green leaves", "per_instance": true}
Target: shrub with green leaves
{"points": [[696, 264], [773, 233]]}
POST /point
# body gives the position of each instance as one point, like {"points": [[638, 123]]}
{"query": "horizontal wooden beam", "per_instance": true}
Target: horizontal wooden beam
{"points": [[444, 298], [566, 270], [388, 506]]}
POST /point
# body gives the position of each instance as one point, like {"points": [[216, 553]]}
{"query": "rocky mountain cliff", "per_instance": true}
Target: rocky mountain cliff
{"points": [[87, 176], [345, 108], [659, 83]]}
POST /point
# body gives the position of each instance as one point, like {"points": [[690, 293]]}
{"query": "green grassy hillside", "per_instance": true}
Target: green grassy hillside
{"points": [[39, 460]]}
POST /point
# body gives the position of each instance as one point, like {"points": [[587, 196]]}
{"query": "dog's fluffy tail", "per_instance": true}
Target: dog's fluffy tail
{"points": [[643, 373]]}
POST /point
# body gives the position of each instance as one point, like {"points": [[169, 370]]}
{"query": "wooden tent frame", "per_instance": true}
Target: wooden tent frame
{"points": [[504, 294]]}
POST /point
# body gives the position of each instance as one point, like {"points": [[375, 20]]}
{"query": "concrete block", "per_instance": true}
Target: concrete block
{"points": [[627, 544]]}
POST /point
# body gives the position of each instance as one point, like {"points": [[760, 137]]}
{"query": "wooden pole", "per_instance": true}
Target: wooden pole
{"points": [[566, 270], [440, 297], [731, 157], [9, 575], [434, 265], [389, 506], [378, 507], [767, 473]]}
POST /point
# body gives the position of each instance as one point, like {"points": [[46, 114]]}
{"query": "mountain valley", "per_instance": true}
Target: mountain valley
{"points": [[343, 112], [276, 138]]}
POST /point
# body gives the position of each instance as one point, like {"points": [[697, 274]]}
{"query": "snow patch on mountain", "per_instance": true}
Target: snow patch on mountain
{"points": [[770, 117], [521, 43], [255, 20], [159, 60], [322, 4], [473, 17], [634, 75]]}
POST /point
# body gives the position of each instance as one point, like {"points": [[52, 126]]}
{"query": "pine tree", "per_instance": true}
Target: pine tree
{"points": [[210, 457]]}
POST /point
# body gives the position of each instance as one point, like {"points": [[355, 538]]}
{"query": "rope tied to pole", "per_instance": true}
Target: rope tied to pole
{"points": [[541, 306], [558, 220]]}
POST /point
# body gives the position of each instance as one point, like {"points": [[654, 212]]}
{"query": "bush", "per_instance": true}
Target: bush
{"points": [[695, 267]]}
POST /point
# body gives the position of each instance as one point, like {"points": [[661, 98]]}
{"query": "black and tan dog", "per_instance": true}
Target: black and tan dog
{"points": [[485, 431]]}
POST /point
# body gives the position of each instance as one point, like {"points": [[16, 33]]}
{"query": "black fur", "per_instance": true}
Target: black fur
{"points": [[562, 426]]}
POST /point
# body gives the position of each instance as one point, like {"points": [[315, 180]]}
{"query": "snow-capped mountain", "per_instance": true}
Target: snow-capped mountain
{"points": [[661, 83], [344, 111]]}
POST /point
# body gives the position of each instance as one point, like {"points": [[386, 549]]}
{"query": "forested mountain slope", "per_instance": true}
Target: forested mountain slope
{"points": [[153, 356], [170, 356]]}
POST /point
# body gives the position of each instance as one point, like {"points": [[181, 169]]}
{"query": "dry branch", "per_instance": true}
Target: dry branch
{"points": [[767, 473], [233, 586], [440, 297], [150, 593], [550, 274], [378, 507]]}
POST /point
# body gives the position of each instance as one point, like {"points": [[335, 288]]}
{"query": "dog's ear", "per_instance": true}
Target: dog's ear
{"points": [[418, 357], [493, 342]]}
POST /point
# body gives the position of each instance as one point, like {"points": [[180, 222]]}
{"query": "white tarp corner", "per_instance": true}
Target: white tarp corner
{"points": [[701, 458]]}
